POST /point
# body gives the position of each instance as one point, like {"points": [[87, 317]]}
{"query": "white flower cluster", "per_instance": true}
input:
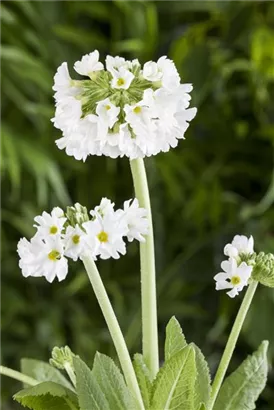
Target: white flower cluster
{"points": [[121, 109], [238, 268], [76, 235]]}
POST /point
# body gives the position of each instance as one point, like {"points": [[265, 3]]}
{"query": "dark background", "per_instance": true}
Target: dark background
{"points": [[218, 182]]}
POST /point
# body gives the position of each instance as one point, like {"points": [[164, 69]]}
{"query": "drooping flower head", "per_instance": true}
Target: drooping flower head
{"points": [[121, 109]]}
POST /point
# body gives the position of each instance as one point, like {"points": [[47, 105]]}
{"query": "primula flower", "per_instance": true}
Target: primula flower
{"points": [[77, 243], [241, 245], [234, 277], [43, 257], [50, 224], [136, 220], [122, 109]]}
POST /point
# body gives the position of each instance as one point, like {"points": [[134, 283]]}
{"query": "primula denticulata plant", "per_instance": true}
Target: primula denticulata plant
{"points": [[123, 109]]}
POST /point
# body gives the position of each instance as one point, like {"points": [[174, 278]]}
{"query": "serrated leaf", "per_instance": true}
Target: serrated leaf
{"points": [[91, 396], [203, 380], [175, 382], [242, 388], [47, 396], [143, 378], [43, 372], [112, 383], [175, 340]]}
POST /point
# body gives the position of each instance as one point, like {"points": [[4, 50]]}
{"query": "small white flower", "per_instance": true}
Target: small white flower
{"points": [[170, 78], [136, 219], [113, 64], [43, 258], [68, 114], [108, 232], [88, 64], [234, 277], [50, 224], [240, 245], [106, 207], [122, 79], [151, 71], [63, 83], [108, 115], [77, 243]]}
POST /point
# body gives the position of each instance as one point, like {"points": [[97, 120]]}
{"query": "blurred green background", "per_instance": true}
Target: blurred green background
{"points": [[218, 182]]}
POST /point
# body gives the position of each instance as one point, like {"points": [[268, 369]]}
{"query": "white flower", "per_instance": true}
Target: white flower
{"points": [[50, 224], [63, 83], [122, 79], [234, 277], [136, 219], [106, 207], [68, 114], [109, 232], [108, 115], [240, 245], [43, 257], [113, 64], [77, 243], [88, 64], [151, 71]]}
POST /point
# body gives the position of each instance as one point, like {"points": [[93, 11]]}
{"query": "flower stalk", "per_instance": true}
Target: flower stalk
{"points": [[148, 277], [231, 343], [114, 328], [6, 371]]}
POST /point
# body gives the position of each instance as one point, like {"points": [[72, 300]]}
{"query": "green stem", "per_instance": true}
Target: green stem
{"points": [[231, 343], [114, 328], [70, 373], [6, 371], [148, 279]]}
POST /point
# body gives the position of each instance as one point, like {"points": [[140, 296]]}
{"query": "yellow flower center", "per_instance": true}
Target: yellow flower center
{"points": [[76, 239], [53, 229], [107, 107], [102, 236], [137, 109], [54, 255], [120, 82], [235, 280]]}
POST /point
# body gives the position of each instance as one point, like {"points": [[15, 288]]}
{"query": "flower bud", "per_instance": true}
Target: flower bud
{"points": [[77, 214], [61, 357], [263, 270]]}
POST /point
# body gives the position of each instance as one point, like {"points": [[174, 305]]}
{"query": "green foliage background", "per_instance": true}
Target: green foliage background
{"points": [[218, 182]]}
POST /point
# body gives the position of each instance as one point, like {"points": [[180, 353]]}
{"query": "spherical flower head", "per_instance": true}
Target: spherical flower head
{"points": [[50, 225], [263, 270], [241, 248], [89, 64], [109, 232], [136, 219], [122, 110], [233, 277], [43, 257]]}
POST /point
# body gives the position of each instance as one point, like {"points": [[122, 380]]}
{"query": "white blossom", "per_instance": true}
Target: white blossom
{"points": [[50, 224], [151, 71], [63, 83], [43, 257], [77, 243], [136, 219], [88, 64], [234, 277], [109, 232], [121, 79], [240, 245]]}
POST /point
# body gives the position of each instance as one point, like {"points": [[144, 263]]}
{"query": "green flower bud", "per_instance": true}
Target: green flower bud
{"points": [[77, 214], [61, 357], [263, 270]]}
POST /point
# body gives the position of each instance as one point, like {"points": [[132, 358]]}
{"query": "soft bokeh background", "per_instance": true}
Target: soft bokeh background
{"points": [[218, 182]]}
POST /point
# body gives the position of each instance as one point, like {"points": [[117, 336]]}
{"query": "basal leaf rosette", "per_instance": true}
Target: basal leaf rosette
{"points": [[120, 109]]}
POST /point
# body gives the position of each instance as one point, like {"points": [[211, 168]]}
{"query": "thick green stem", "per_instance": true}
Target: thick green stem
{"points": [[231, 343], [114, 328], [6, 371], [148, 279]]}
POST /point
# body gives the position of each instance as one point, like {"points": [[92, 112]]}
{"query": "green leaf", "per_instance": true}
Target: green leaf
{"points": [[44, 372], [112, 383], [243, 387], [91, 396], [203, 380], [47, 396], [175, 340], [143, 377], [175, 382]]}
